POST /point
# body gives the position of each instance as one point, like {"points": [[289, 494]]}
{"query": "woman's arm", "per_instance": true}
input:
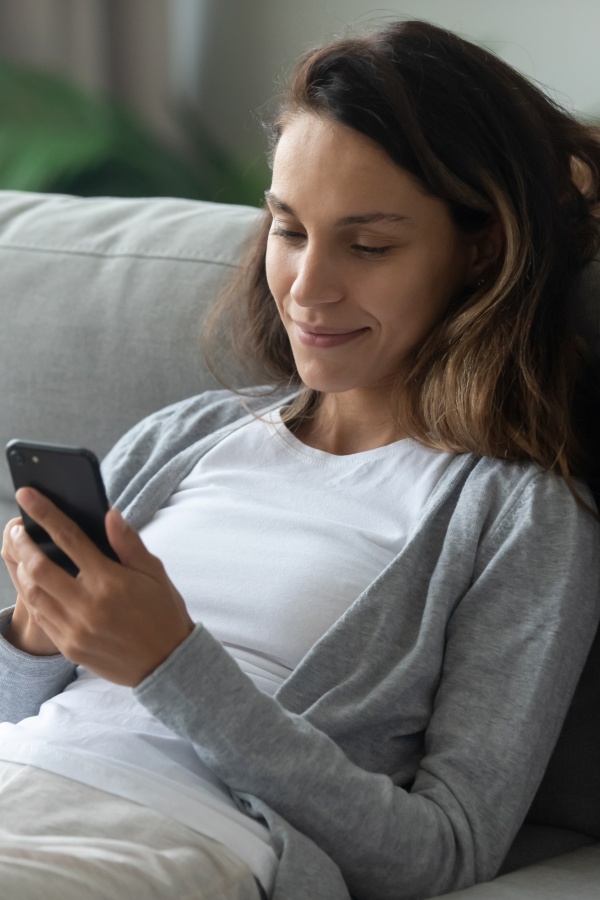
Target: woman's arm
{"points": [[89, 619]]}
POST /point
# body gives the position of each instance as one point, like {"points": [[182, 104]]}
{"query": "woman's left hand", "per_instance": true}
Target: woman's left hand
{"points": [[118, 620]]}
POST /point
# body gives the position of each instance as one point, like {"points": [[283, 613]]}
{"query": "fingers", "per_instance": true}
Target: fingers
{"points": [[71, 540], [25, 632], [35, 598], [48, 595], [121, 621], [36, 576], [129, 546], [63, 531], [26, 635], [7, 548], [8, 553]]}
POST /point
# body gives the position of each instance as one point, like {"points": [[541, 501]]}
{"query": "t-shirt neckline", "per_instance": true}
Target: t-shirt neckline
{"points": [[396, 448]]}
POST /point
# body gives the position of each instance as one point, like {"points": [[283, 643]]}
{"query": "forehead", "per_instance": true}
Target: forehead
{"points": [[319, 160]]}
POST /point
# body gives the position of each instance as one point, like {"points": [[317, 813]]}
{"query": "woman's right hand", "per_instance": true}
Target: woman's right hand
{"points": [[23, 632]]}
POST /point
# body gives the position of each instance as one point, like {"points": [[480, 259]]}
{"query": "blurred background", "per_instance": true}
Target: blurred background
{"points": [[166, 97]]}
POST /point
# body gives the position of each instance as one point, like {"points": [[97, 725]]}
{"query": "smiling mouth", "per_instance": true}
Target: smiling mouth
{"points": [[324, 337]]}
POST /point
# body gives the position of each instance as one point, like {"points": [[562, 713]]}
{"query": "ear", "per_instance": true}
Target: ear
{"points": [[486, 247]]}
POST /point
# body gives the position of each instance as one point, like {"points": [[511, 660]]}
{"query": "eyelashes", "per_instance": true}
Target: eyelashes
{"points": [[371, 251], [295, 237], [287, 235]]}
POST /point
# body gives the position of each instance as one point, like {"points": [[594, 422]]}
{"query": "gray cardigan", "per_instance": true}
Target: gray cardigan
{"points": [[400, 757]]}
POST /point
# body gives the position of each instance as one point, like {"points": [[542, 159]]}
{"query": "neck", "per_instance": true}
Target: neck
{"points": [[350, 423]]}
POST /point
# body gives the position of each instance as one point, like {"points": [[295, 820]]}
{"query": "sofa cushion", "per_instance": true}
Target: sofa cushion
{"points": [[574, 876], [101, 302]]}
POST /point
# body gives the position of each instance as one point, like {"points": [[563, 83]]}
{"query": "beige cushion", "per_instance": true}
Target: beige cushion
{"points": [[574, 876]]}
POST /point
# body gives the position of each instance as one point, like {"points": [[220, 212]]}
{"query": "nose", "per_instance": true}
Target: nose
{"points": [[317, 279]]}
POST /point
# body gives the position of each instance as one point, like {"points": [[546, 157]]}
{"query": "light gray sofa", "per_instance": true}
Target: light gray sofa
{"points": [[101, 304]]}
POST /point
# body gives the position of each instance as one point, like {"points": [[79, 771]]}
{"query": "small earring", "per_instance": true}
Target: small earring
{"points": [[480, 283]]}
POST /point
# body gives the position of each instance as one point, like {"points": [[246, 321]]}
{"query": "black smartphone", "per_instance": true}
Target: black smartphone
{"points": [[70, 477]]}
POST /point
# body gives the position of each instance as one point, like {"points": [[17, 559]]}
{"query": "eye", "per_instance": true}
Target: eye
{"points": [[286, 234], [364, 250]]}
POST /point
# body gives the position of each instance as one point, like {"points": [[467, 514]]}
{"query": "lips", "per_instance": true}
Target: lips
{"points": [[320, 336]]}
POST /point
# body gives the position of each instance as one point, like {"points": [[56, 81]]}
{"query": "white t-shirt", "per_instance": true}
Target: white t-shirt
{"points": [[269, 541]]}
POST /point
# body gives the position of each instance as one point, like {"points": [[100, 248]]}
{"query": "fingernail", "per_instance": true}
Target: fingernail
{"points": [[16, 531]]}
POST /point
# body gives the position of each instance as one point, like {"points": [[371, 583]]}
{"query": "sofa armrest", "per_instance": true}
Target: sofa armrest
{"points": [[573, 876]]}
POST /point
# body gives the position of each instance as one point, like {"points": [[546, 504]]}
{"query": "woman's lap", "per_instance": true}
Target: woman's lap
{"points": [[62, 840]]}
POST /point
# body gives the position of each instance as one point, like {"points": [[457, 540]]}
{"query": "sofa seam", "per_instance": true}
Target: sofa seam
{"points": [[118, 254]]}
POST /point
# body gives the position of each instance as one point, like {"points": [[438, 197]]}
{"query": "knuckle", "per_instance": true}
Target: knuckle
{"points": [[105, 585], [64, 536], [35, 596], [103, 592], [37, 567]]}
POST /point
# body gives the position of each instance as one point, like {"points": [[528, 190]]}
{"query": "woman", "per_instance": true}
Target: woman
{"points": [[379, 583]]}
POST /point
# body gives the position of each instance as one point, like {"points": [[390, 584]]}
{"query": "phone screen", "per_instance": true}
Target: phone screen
{"points": [[70, 477]]}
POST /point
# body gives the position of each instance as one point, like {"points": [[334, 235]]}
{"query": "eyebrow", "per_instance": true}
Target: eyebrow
{"points": [[366, 219]]}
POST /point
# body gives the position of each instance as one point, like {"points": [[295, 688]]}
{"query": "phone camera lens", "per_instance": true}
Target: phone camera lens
{"points": [[17, 457]]}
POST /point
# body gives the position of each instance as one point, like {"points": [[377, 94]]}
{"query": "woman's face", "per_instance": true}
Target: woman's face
{"points": [[360, 261]]}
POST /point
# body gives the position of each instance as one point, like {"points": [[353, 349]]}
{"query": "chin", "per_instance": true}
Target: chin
{"points": [[327, 385], [327, 382]]}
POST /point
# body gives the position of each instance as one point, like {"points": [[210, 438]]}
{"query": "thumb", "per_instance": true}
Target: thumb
{"points": [[126, 542]]}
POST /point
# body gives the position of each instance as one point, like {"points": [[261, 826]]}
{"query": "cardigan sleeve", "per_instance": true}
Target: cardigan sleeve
{"points": [[515, 646], [27, 681]]}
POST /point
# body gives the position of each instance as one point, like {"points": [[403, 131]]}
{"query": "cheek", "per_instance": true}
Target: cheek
{"points": [[278, 277], [434, 281]]}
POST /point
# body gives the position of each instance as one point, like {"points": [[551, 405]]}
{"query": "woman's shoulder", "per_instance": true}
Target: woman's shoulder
{"points": [[513, 481], [512, 497], [224, 405], [195, 416]]}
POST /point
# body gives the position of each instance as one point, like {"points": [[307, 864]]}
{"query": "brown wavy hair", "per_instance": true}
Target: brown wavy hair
{"points": [[503, 373]]}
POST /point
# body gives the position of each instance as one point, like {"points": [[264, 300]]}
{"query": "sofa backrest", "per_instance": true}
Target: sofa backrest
{"points": [[102, 301]]}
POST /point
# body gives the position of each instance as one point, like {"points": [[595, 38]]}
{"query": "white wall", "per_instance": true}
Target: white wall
{"points": [[554, 41], [253, 42]]}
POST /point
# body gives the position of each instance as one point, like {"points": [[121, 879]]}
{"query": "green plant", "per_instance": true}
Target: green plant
{"points": [[55, 137]]}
